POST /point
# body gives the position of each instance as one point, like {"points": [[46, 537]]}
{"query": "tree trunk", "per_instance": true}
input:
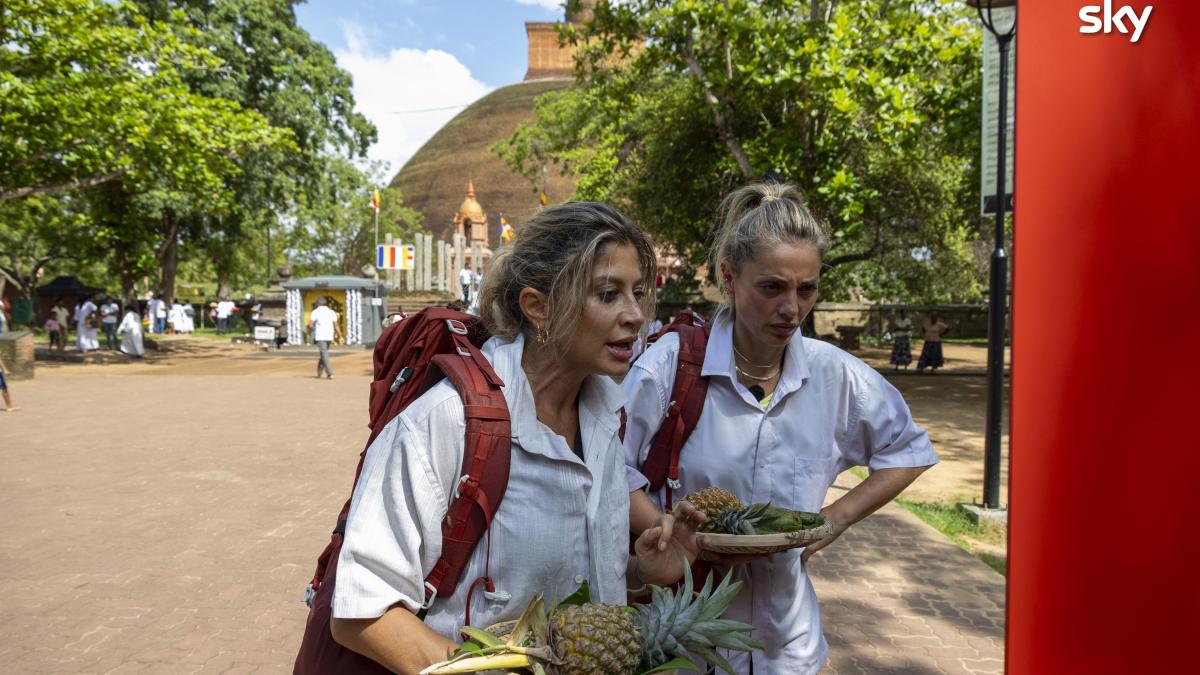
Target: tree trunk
{"points": [[121, 257], [223, 290], [168, 259]]}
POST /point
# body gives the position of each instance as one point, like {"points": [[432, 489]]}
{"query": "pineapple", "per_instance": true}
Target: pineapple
{"points": [[712, 501], [594, 638], [727, 515]]}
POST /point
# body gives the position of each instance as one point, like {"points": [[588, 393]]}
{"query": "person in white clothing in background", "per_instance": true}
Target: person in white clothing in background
{"points": [[224, 315], [130, 331], [465, 278], [323, 322], [175, 318], [564, 303], [782, 417], [160, 315], [110, 313], [86, 323]]}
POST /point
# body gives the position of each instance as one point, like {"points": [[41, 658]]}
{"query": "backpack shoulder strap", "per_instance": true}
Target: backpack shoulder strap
{"points": [[683, 410], [410, 357], [484, 477]]}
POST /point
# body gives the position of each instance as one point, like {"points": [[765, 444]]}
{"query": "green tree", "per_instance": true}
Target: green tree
{"points": [[335, 233], [96, 104], [870, 107], [274, 67], [38, 232], [92, 92]]}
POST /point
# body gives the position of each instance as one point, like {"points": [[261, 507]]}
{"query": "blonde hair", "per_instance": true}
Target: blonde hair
{"points": [[556, 253], [761, 215]]}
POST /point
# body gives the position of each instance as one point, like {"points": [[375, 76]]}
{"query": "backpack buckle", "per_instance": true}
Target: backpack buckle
{"points": [[309, 593], [401, 378], [456, 326], [430, 596], [674, 484], [457, 491]]}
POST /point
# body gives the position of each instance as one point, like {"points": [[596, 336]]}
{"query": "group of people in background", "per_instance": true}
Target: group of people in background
{"points": [[121, 327], [177, 318], [931, 351]]}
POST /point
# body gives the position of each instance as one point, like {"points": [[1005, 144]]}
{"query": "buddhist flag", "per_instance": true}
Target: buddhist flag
{"points": [[506, 231], [375, 201], [408, 254], [387, 257]]}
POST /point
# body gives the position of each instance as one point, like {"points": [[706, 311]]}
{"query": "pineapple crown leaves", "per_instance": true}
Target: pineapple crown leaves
{"points": [[740, 520], [679, 622]]}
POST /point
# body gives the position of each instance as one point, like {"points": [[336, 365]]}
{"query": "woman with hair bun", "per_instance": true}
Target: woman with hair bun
{"points": [[564, 303], [782, 417]]}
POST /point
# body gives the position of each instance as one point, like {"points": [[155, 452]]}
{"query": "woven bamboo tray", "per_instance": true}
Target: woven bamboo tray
{"points": [[764, 544]]}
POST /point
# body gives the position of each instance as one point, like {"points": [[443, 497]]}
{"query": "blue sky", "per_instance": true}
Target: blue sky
{"points": [[410, 58]]}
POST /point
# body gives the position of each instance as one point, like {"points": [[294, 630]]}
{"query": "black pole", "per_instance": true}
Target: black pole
{"points": [[268, 270], [998, 292]]}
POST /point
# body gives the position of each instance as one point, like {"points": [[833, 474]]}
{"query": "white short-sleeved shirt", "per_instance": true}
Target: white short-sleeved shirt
{"points": [[562, 521], [465, 276], [224, 309], [323, 320], [830, 412]]}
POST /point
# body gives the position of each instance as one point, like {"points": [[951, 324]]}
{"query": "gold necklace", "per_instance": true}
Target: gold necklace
{"points": [[743, 357], [755, 377]]}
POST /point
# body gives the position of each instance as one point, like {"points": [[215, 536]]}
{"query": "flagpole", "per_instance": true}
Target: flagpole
{"points": [[382, 312]]}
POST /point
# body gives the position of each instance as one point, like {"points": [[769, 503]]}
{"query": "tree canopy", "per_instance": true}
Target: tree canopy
{"points": [[869, 107], [208, 136], [92, 91]]}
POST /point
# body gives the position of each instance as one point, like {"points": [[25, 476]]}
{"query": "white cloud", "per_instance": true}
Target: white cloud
{"points": [[544, 4], [405, 81]]}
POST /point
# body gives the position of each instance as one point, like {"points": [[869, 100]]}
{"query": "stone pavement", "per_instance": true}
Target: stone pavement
{"points": [[898, 597], [165, 519]]}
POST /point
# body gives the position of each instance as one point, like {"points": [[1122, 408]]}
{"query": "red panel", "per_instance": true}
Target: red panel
{"points": [[1104, 573]]}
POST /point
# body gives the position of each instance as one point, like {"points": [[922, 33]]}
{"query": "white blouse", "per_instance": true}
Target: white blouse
{"points": [[830, 412], [562, 521]]}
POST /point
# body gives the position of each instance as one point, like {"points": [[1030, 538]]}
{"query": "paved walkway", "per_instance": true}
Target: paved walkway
{"points": [[165, 516], [898, 597]]}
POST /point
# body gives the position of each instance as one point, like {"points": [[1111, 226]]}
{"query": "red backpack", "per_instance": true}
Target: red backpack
{"points": [[687, 401], [410, 357]]}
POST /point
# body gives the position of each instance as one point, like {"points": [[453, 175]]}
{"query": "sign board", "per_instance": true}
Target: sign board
{"points": [[1003, 16], [264, 332], [376, 302]]}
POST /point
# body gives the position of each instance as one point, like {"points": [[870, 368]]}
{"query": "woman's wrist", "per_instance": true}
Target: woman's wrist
{"points": [[633, 580]]}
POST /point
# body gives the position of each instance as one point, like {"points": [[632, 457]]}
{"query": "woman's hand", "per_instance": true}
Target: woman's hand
{"points": [[881, 487], [838, 528], [670, 543]]}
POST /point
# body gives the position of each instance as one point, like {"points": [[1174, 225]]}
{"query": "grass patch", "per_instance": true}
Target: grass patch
{"points": [[979, 540], [962, 530]]}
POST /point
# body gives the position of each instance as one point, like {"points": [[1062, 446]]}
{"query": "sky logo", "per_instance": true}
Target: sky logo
{"points": [[1099, 19]]}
